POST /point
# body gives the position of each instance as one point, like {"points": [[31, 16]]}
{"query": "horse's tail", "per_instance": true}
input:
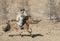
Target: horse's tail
{"points": [[7, 28]]}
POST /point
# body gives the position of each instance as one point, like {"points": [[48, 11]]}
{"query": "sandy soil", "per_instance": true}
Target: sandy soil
{"points": [[49, 30]]}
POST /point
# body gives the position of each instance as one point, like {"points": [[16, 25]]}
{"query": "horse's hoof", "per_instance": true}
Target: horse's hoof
{"points": [[21, 35], [29, 31]]}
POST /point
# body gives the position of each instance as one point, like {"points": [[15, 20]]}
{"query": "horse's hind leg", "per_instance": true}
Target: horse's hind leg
{"points": [[11, 28], [18, 28]]}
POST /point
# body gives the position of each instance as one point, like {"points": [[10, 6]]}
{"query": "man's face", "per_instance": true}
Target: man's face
{"points": [[21, 12]]}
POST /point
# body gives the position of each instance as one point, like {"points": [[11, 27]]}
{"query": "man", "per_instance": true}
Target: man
{"points": [[20, 17]]}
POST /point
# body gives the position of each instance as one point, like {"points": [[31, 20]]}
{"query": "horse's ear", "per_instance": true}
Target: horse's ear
{"points": [[29, 15]]}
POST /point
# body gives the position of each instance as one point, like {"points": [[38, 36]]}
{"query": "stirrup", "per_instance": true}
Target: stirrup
{"points": [[21, 27]]}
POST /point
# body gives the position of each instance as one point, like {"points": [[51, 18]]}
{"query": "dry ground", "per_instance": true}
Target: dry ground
{"points": [[50, 31]]}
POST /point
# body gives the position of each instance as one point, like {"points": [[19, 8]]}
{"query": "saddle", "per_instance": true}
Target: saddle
{"points": [[22, 22]]}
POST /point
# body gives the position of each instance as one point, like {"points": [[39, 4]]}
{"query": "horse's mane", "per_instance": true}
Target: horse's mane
{"points": [[25, 19]]}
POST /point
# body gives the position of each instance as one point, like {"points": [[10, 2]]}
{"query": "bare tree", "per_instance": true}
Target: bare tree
{"points": [[4, 5], [52, 11]]}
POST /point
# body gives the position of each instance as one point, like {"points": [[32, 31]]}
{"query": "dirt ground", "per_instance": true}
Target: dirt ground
{"points": [[49, 30]]}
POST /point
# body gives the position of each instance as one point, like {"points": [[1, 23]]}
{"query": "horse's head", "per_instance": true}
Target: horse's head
{"points": [[29, 20]]}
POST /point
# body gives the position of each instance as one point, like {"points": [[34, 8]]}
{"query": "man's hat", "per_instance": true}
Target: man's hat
{"points": [[22, 9]]}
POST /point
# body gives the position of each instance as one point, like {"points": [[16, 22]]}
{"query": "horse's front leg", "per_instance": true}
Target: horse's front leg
{"points": [[26, 28]]}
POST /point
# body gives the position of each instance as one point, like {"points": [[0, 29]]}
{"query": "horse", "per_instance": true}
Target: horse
{"points": [[13, 24]]}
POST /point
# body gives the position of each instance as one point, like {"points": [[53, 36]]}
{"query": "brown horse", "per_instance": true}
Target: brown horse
{"points": [[13, 24]]}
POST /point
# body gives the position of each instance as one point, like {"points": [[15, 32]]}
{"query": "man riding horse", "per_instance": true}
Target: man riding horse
{"points": [[23, 21]]}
